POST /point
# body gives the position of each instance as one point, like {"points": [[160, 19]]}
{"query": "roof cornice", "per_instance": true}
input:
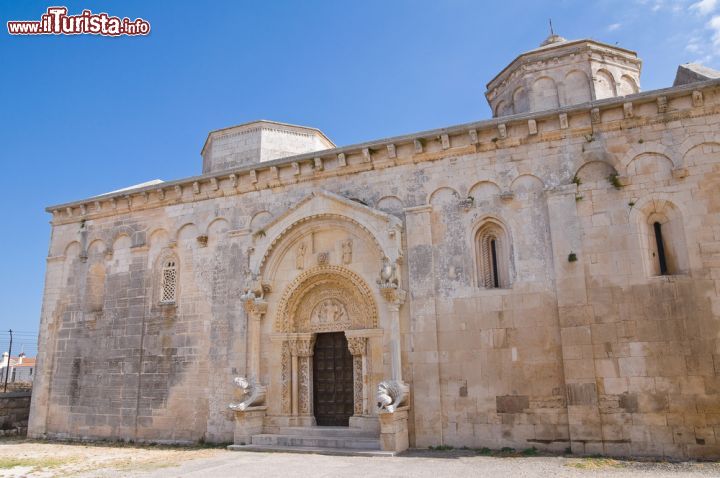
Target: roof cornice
{"points": [[384, 151]]}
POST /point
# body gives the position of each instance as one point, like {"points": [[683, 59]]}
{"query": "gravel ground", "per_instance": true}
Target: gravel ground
{"points": [[19, 458]]}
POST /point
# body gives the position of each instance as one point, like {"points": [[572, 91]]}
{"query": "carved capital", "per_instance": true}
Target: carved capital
{"points": [[357, 345], [255, 308], [304, 347], [394, 297]]}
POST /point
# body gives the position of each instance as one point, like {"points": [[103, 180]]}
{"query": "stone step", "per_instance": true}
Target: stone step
{"points": [[346, 442], [312, 450], [326, 432]]}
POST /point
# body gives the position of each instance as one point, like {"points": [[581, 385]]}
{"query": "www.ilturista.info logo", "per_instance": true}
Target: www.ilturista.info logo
{"points": [[57, 22]]}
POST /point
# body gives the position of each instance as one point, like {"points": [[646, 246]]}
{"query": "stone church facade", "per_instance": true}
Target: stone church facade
{"points": [[549, 277]]}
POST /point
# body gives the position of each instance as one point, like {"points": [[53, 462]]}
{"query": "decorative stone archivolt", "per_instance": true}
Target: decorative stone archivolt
{"points": [[324, 209], [326, 298]]}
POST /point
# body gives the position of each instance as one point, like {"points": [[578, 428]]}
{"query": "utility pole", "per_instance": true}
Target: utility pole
{"points": [[7, 368]]}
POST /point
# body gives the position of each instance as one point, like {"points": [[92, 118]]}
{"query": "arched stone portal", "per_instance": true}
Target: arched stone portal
{"points": [[328, 265], [324, 299]]}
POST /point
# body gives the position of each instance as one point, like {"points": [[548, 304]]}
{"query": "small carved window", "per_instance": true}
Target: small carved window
{"points": [[663, 238], [493, 256], [168, 282], [660, 246]]}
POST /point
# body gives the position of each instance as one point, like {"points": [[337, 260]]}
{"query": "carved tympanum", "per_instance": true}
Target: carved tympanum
{"points": [[326, 299]]}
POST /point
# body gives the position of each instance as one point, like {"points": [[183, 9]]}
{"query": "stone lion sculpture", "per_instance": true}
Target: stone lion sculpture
{"points": [[391, 394], [253, 394]]}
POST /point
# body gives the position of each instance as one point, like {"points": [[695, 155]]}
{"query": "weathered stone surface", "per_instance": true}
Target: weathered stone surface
{"points": [[513, 283]]}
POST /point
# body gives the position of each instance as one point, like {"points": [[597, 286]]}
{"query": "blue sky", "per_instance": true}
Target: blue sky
{"points": [[83, 115]]}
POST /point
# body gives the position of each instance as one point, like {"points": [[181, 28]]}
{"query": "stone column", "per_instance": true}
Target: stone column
{"points": [[358, 349], [250, 412], [575, 318], [304, 348], [395, 299], [294, 376], [256, 310], [423, 328]]}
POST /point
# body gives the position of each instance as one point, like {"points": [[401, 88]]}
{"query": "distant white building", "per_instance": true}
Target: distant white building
{"points": [[17, 369]]}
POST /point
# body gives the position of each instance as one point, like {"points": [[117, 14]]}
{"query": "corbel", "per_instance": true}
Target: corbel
{"points": [[295, 168], [473, 136], [274, 174], [214, 184], [253, 176], [628, 110], [502, 130], [445, 141], [662, 104], [697, 99], [563, 121], [233, 180], [83, 210], [418, 146], [341, 160], [318, 164], [161, 194], [97, 206], [595, 115], [392, 153], [196, 187], [367, 155], [178, 191], [532, 127]]}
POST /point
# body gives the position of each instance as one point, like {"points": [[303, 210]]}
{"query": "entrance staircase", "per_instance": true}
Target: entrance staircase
{"points": [[320, 440]]}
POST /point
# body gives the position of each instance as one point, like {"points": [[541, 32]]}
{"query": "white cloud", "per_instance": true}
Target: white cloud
{"points": [[704, 7], [614, 26], [714, 25]]}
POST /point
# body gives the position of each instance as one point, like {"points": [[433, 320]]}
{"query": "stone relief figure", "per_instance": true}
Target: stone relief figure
{"points": [[388, 275], [253, 394], [391, 394], [347, 251], [300, 256], [323, 258], [328, 312]]}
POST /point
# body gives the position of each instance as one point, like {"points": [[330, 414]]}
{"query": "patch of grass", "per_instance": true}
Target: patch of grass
{"points": [[36, 463], [595, 463], [484, 451], [615, 181], [441, 448], [530, 451], [507, 449]]}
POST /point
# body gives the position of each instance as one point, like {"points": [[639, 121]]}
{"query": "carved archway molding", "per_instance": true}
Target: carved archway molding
{"points": [[326, 298], [381, 229]]}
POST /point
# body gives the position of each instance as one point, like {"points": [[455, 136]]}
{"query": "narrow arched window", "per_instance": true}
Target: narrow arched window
{"points": [[168, 282], [662, 237], [662, 260], [492, 248], [494, 264]]}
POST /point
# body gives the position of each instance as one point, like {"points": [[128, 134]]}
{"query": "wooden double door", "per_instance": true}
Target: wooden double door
{"points": [[332, 380]]}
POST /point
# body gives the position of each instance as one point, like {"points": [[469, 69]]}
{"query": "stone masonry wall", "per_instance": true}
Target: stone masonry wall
{"points": [[14, 413], [582, 347]]}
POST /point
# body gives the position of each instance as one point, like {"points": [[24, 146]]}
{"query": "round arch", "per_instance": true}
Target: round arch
{"points": [[326, 298]]}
